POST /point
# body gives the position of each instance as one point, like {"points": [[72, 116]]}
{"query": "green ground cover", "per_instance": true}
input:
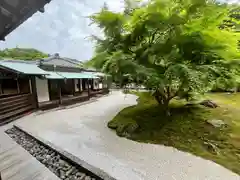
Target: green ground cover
{"points": [[186, 129]]}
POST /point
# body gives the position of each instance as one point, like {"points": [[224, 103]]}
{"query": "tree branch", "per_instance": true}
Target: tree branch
{"points": [[153, 36]]}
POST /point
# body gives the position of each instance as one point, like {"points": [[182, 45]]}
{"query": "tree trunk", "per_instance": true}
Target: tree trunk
{"points": [[158, 99], [166, 107], [163, 102]]}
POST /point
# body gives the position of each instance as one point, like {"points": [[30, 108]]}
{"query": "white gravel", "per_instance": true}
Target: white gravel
{"points": [[83, 132]]}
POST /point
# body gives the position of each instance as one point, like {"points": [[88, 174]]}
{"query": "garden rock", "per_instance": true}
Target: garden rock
{"points": [[216, 123], [52, 160], [132, 127], [211, 147], [209, 103], [190, 104]]}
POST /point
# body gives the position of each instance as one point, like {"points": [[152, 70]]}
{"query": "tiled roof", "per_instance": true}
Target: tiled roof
{"points": [[53, 75], [60, 61], [20, 61], [69, 75], [24, 68], [32, 67]]}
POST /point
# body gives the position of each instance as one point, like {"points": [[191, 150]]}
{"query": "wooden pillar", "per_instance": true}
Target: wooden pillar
{"points": [[49, 90], [83, 85], [34, 91], [92, 84], [79, 85], [30, 85], [59, 92], [18, 87], [103, 83], [89, 95], [73, 87], [1, 90], [98, 80]]}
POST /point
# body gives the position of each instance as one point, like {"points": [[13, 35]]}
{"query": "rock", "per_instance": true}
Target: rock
{"points": [[79, 174], [216, 123], [56, 165], [61, 162], [51, 159], [238, 155], [88, 178], [66, 167], [190, 104], [209, 103], [82, 177], [132, 127], [211, 147], [57, 156], [62, 174], [48, 156], [69, 172], [52, 154], [74, 170]]}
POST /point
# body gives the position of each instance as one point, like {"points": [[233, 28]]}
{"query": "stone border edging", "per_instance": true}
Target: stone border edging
{"points": [[75, 160]]}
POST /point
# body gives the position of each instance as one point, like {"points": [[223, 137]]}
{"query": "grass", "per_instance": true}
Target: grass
{"points": [[186, 129]]}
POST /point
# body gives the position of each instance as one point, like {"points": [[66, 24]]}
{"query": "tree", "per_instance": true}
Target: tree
{"points": [[175, 47], [233, 19], [22, 54]]}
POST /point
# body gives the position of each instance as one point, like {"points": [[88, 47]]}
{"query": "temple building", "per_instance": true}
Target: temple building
{"points": [[46, 83]]}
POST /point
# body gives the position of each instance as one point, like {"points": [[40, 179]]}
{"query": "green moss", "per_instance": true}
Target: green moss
{"points": [[186, 129]]}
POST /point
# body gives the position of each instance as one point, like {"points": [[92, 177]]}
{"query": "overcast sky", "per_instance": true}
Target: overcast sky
{"points": [[63, 28]]}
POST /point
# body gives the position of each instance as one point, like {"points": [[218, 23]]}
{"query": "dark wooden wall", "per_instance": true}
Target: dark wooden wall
{"points": [[17, 98], [14, 106]]}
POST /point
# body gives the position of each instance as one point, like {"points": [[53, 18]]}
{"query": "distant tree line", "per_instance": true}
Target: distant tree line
{"points": [[22, 54]]}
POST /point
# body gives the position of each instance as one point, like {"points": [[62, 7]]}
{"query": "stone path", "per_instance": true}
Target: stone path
{"points": [[83, 131], [18, 164]]}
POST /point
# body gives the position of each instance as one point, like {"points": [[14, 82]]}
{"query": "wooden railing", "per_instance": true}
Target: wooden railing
{"points": [[14, 106]]}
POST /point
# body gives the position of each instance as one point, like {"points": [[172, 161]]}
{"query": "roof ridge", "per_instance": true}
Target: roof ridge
{"points": [[19, 61], [54, 57]]}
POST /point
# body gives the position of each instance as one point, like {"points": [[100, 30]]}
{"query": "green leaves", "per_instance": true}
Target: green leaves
{"points": [[176, 47], [22, 54]]}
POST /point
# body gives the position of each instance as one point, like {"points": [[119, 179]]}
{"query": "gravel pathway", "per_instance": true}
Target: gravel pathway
{"points": [[83, 131]]}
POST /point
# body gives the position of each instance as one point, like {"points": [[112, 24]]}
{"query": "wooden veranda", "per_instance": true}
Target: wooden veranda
{"points": [[17, 95]]}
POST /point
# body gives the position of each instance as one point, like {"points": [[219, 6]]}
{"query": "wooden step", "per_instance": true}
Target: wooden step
{"points": [[13, 97], [11, 100], [17, 103], [15, 107], [15, 113]]}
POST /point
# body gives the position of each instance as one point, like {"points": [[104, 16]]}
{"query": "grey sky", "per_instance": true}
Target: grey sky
{"points": [[63, 28]]}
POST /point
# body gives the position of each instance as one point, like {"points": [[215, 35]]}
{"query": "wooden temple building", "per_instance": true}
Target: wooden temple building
{"points": [[44, 84]]}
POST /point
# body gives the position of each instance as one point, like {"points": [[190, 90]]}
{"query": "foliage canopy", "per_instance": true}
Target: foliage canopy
{"points": [[177, 48], [22, 54]]}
